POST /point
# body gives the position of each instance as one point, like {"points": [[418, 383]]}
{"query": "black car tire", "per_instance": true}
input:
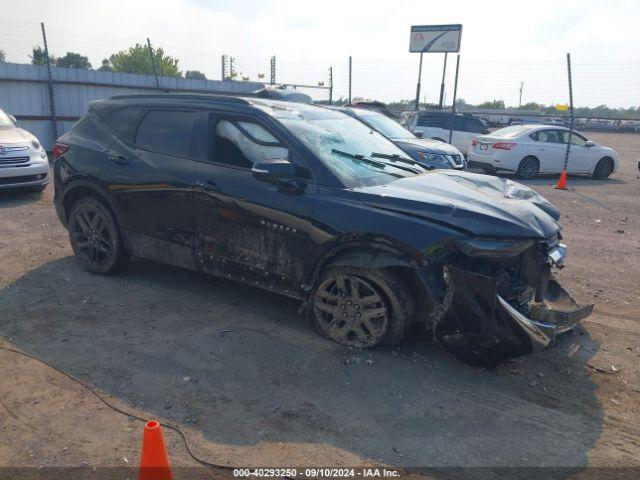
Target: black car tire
{"points": [[528, 168], [378, 312], [603, 169], [95, 237]]}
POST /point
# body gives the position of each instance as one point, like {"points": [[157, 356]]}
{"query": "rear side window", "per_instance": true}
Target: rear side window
{"points": [[435, 121], [167, 131], [121, 123]]}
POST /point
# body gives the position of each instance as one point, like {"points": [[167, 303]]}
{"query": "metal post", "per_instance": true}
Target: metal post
{"points": [[349, 79], [223, 67], [566, 156], [520, 100], [418, 86], [153, 63], [273, 70], [52, 100], [453, 105], [444, 72], [330, 85]]}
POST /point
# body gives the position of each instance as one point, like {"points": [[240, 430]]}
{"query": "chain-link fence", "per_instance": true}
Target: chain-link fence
{"points": [[498, 91]]}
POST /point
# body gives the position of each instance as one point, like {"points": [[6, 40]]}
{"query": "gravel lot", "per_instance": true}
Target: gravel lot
{"points": [[251, 384]]}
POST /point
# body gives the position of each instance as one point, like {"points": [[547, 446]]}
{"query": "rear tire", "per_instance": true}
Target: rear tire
{"points": [[528, 168], [95, 237], [603, 169], [360, 307]]}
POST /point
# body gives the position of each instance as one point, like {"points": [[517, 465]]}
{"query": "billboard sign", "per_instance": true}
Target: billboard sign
{"points": [[435, 38]]}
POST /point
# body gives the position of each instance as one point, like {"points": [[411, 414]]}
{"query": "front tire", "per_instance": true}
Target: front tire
{"points": [[94, 236], [360, 307], [603, 169], [528, 168]]}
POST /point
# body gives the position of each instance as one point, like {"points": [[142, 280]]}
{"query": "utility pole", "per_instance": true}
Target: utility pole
{"points": [[453, 105], [566, 156], [520, 101], [330, 85], [418, 86], [52, 101], [153, 63], [444, 72], [273, 70], [349, 79]]}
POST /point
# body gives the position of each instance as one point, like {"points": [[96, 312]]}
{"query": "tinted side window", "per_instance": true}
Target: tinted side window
{"points": [[475, 126], [460, 124], [166, 131], [121, 123]]}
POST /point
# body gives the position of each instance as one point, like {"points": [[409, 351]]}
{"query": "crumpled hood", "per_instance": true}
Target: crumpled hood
{"points": [[427, 145], [480, 204], [10, 135]]}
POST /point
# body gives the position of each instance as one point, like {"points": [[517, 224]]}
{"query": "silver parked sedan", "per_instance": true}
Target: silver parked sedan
{"points": [[23, 161]]}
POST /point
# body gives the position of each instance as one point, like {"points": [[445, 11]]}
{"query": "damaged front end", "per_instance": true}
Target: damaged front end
{"points": [[497, 299]]}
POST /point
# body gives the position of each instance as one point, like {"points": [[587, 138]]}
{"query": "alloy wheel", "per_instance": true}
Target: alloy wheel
{"points": [[351, 311], [92, 237]]}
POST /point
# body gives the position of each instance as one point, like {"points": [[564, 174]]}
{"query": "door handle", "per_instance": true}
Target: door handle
{"points": [[209, 186], [118, 159]]}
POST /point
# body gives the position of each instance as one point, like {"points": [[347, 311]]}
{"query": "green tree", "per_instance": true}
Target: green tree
{"points": [[137, 60], [195, 74], [38, 57], [73, 60], [493, 104], [3, 57], [106, 66]]}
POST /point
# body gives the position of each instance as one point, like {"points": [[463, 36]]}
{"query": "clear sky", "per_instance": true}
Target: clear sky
{"points": [[503, 42]]}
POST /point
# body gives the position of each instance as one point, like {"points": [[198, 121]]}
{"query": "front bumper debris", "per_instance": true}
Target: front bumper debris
{"points": [[482, 328]]}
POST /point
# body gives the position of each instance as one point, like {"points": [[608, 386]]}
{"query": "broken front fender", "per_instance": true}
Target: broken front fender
{"points": [[482, 328]]}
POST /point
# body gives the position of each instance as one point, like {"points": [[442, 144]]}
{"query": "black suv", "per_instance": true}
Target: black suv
{"points": [[313, 204]]}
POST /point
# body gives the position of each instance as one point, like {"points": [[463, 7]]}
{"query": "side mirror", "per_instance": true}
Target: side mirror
{"points": [[13, 119], [589, 143], [418, 134], [276, 170]]}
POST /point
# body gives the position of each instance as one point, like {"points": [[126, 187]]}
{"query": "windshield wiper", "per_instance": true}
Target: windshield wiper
{"points": [[358, 157], [362, 159], [394, 157]]}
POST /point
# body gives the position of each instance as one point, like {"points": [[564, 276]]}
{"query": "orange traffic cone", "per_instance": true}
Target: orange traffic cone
{"points": [[562, 181], [154, 461]]}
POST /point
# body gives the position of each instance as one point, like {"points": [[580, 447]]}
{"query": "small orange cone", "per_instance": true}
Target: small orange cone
{"points": [[154, 461], [562, 181]]}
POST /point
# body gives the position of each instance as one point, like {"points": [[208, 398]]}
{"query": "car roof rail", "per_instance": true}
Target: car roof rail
{"points": [[231, 98]]}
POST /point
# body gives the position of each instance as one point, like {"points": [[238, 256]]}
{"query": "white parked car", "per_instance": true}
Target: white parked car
{"points": [[23, 161], [531, 149], [435, 124]]}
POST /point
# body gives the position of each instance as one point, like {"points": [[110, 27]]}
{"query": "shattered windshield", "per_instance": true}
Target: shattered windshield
{"points": [[386, 126], [346, 146]]}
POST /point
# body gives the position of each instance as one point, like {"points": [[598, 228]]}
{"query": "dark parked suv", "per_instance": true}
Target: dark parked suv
{"points": [[311, 203]]}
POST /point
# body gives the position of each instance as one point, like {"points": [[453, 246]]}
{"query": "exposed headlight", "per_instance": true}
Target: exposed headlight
{"points": [[483, 247], [432, 157]]}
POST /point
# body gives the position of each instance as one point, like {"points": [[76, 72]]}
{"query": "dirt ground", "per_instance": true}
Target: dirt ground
{"points": [[252, 385]]}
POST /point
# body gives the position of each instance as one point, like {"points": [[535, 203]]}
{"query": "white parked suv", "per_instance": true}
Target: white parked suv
{"points": [[23, 161], [531, 149], [436, 123]]}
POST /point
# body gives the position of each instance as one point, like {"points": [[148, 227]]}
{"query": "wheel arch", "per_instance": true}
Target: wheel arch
{"points": [[605, 157], [370, 254], [84, 188]]}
